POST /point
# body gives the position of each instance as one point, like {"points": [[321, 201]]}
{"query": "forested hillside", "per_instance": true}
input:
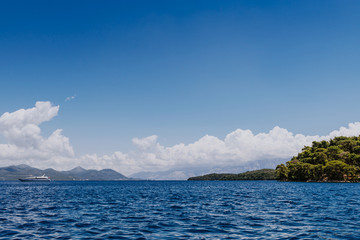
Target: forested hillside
{"points": [[334, 160]]}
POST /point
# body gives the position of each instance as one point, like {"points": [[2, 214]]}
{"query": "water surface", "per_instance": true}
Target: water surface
{"points": [[179, 210]]}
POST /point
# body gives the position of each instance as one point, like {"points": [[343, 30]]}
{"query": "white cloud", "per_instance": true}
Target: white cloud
{"points": [[23, 136], [25, 144], [70, 98], [145, 143]]}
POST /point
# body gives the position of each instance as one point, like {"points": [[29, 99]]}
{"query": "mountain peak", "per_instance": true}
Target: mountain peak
{"points": [[78, 169]]}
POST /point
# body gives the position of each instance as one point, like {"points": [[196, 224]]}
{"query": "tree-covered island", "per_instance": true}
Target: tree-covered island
{"points": [[337, 160]]}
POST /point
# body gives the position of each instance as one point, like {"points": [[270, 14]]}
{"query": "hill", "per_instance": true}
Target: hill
{"points": [[78, 173], [263, 174], [335, 160]]}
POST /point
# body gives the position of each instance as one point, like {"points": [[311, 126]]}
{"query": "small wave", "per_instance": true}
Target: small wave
{"points": [[8, 233]]}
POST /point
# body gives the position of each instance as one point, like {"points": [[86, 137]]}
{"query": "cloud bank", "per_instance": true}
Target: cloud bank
{"points": [[25, 144]]}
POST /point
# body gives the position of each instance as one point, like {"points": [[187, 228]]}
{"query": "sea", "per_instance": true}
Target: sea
{"points": [[179, 210]]}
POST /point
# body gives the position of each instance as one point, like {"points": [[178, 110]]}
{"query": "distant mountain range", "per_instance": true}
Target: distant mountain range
{"points": [[78, 173]]}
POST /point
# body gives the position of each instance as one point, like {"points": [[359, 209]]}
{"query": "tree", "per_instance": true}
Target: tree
{"points": [[282, 172], [339, 171], [333, 152]]}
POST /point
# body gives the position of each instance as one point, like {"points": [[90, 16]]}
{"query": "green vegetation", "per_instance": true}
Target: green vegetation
{"points": [[337, 160], [263, 174]]}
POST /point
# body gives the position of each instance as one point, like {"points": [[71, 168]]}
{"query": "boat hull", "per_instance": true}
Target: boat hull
{"points": [[34, 180]]}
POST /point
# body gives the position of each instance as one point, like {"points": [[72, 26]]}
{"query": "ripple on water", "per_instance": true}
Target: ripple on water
{"points": [[179, 209], [8, 233]]}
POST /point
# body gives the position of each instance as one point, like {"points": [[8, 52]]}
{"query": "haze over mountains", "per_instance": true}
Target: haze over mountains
{"points": [[185, 173], [78, 173]]}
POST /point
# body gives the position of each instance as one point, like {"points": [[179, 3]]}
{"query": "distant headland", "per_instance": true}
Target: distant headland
{"points": [[262, 174], [337, 160]]}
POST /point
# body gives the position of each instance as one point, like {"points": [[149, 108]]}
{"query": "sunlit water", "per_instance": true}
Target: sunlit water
{"points": [[179, 210]]}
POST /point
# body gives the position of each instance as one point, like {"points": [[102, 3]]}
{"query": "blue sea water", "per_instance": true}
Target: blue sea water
{"points": [[179, 210]]}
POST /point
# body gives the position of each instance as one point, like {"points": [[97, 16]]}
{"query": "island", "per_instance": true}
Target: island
{"points": [[262, 174], [337, 160]]}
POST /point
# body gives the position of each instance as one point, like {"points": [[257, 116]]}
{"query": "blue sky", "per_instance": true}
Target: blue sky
{"points": [[181, 69]]}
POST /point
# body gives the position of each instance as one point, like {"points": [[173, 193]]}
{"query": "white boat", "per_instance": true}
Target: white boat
{"points": [[42, 178]]}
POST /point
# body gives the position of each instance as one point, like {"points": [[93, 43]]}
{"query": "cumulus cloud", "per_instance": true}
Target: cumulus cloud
{"points": [[25, 144], [24, 141], [145, 143]]}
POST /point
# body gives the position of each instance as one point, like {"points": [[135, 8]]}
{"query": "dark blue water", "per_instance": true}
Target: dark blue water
{"points": [[179, 210]]}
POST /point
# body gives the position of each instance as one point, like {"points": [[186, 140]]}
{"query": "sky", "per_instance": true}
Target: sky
{"points": [[173, 86]]}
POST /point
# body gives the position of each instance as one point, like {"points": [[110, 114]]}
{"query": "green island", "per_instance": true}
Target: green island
{"points": [[337, 160], [263, 174]]}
